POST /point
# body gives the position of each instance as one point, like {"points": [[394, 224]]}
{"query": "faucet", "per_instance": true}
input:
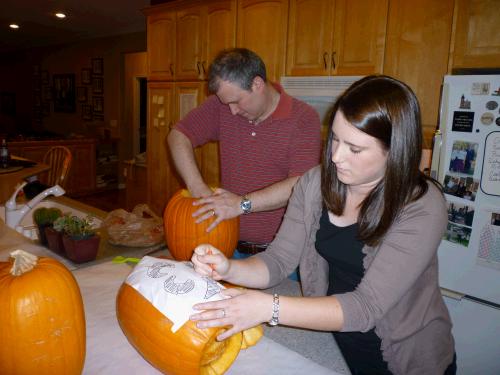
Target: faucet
{"points": [[14, 214]]}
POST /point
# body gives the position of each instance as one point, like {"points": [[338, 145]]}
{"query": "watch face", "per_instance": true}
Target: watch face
{"points": [[246, 205]]}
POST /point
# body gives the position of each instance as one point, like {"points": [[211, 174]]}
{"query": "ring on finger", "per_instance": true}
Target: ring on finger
{"points": [[212, 212], [223, 313]]}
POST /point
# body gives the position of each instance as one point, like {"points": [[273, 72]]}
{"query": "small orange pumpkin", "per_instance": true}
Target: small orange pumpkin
{"points": [[42, 318], [183, 234]]}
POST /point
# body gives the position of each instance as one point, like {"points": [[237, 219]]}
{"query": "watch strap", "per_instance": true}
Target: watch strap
{"points": [[275, 319]]}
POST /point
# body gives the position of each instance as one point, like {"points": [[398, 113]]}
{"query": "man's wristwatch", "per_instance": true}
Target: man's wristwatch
{"points": [[246, 205], [275, 319]]}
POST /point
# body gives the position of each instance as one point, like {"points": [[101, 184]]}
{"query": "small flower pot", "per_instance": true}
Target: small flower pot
{"points": [[54, 240], [81, 250]]}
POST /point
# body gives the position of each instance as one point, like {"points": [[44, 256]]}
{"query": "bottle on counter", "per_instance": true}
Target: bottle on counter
{"points": [[4, 155]]}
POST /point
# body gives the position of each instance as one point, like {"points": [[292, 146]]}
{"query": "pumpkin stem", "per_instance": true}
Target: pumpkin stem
{"points": [[23, 262]]}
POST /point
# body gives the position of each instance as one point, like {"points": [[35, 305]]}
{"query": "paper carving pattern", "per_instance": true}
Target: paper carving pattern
{"points": [[212, 288], [178, 288], [158, 270]]}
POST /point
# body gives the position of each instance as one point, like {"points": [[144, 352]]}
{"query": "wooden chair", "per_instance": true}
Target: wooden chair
{"points": [[59, 158]]}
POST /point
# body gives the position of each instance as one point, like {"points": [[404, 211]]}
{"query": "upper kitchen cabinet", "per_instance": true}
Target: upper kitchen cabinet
{"points": [[203, 31], [161, 45], [262, 28], [416, 52], [477, 38], [336, 37]]}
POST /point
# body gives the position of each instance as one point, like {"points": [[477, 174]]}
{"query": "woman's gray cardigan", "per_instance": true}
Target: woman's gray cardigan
{"points": [[399, 294]]}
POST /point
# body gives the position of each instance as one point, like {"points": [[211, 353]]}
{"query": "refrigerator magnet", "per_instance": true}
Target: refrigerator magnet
{"points": [[462, 121], [487, 118], [491, 105]]}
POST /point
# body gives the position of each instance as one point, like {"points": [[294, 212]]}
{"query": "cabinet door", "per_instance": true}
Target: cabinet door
{"points": [[477, 37], [310, 37], [161, 46], [220, 30], [82, 173], [189, 95], [262, 28], [161, 172], [359, 37], [418, 41], [189, 43]]}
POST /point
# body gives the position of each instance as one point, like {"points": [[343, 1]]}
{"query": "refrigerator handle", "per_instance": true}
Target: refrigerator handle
{"points": [[436, 154]]}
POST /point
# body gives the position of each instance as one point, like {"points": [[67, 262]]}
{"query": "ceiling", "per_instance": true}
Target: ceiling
{"points": [[85, 19]]}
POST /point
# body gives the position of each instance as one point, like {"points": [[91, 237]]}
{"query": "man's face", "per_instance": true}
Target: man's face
{"points": [[244, 103]]}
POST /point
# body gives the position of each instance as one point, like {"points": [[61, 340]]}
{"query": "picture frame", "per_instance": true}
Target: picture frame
{"points": [[81, 94], [98, 104], [97, 85], [64, 93], [45, 77], [85, 77], [87, 112], [97, 66]]}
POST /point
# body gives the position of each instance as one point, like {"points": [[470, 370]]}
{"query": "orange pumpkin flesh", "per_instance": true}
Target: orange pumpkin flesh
{"points": [[42, 321], [183, 234], [190, 350]]}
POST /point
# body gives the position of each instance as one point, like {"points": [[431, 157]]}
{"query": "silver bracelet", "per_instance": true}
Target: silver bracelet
{"points": [[275, 319]]}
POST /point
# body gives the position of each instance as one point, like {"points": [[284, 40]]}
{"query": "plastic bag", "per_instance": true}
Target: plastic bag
{"points": [[139, 228]]}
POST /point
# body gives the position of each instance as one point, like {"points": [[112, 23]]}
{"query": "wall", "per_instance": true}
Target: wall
{"points": [[16, 75]]}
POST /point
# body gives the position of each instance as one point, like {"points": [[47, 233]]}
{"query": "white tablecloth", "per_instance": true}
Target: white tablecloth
{"points": [[109, 352]]}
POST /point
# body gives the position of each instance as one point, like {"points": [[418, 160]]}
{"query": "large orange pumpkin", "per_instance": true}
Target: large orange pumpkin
{"points": [[42, 321], [190, 350], [183, 234]]}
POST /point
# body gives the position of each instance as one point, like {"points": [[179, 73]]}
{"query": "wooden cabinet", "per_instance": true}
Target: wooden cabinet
{"points": [[136, 184], [161, 176], [262, 28], [82, 173], [161, 45], [168, 103], [203, 31], [336, 37], [477, 37], [418, 41]]}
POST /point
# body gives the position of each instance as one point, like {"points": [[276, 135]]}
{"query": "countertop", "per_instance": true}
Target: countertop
{"points": [[8, 181], [283, 350]]}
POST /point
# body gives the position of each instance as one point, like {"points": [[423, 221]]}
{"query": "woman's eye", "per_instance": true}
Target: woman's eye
{"points": [[354, 151]]}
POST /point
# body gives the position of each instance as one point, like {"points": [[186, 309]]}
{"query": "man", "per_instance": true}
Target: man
{"points": [[267, 140]]}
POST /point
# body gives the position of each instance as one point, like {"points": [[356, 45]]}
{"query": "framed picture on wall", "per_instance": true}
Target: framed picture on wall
{"points": [[64, 93], [97, 66], [87, 112], [81, 94], [45, 77], [97, 85], [86, 76], [98, 104], [47, 93]]}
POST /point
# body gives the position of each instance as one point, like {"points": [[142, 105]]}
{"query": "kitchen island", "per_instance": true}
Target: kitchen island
{"points": [[282, 350]]}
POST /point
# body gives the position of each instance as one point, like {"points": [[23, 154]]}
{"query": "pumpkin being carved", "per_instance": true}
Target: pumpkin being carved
{"points": [[42, 318], [183, 234], [189, 350]]}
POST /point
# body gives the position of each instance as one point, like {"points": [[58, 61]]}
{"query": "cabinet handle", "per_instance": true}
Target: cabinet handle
{"points": [[203, 67], [325, 57], [171, 67], [333, 60], [198, 67]]}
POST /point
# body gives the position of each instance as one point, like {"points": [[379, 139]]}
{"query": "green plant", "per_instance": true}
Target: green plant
{"points": [[75, 227], [46, 216]]}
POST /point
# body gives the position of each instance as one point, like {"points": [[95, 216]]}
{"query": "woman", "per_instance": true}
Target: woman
{"points": [[364, 228]]}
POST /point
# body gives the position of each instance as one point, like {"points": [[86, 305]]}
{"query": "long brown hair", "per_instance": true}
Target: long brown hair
{"points": [[388, 110]]}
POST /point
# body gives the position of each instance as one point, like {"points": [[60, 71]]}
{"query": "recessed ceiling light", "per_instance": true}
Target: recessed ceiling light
{"points": [[14, 26], [60, 15]]}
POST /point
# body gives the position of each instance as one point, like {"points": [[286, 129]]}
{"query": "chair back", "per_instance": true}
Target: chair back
{"points": [[59, 159]]}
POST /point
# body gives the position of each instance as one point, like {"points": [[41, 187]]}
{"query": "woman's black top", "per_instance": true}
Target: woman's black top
{"points": [[342, 250]]}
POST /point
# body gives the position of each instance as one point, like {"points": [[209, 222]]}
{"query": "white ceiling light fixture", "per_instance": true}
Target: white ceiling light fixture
{"points": [[60, 15], [14, 26]]}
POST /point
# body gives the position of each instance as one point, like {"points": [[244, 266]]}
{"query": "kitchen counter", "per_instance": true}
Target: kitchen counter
{"points": [[282, 350]]}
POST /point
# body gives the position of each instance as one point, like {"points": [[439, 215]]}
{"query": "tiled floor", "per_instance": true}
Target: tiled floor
{"points": [[107, 200]]}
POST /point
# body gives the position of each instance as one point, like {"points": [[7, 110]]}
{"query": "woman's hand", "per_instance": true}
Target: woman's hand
{"points": [[211, 262], [222, 204], [245, 309]]}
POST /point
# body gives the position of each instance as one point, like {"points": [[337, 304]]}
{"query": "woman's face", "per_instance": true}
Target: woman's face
{"points": [[359, 158]]}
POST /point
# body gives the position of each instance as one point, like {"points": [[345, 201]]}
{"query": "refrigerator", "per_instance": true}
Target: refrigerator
{"points": [[466, 161]]}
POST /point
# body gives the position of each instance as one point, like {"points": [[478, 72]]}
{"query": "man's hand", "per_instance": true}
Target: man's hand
{"points": [[222, 204]]}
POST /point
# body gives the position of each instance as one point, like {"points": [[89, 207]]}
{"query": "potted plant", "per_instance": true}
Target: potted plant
{"points": [[44, 218], [54, 234], [81, 242]]}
